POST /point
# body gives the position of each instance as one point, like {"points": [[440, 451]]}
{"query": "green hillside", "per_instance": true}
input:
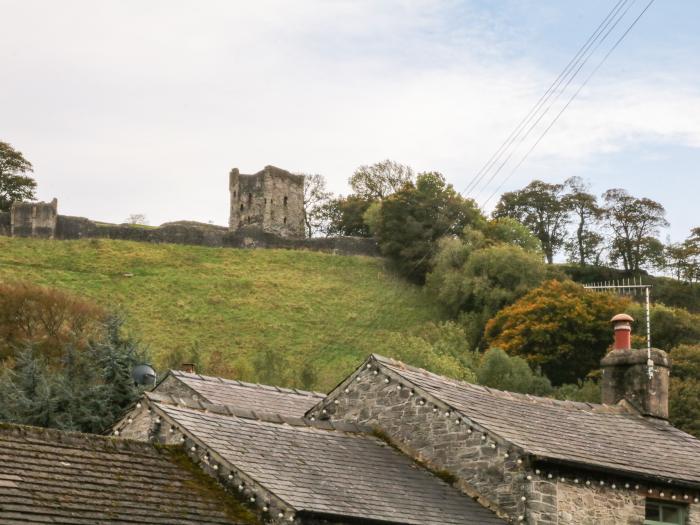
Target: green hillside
{"points": [[233, 306]]}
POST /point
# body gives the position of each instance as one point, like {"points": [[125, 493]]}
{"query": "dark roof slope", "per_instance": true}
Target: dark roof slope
{"points": [[249, 396], [328, 472], [49, 476], [584, 434]]}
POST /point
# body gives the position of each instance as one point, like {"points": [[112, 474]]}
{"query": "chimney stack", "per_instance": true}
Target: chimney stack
{"points": [[188, 367], [641, 377]]}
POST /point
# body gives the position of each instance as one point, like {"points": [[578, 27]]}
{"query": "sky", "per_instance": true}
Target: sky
{"points": [[133, 106]]}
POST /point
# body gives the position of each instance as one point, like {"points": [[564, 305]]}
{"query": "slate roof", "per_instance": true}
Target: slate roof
{"points": [[49, 476], [249, 396], [581, 434], [326, 472]]}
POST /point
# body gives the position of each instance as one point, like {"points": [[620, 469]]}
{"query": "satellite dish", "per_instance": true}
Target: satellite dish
{"points": [[144, 375]]}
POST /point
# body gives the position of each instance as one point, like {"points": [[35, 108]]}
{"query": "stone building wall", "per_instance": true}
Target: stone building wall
{"points": [[5, 223], [33, 219], [425, 432], [595, 505], [496, 473], [271, 200]]}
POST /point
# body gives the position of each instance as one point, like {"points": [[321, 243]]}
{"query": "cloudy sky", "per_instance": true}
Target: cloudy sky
{"points": [[143, 106]]}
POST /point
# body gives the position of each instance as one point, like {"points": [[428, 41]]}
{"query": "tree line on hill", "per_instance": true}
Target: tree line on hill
{"points": [[566, 218], [496, 279]]}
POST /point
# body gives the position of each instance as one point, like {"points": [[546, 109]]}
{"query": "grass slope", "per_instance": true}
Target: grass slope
{"points": [[232, 304]]}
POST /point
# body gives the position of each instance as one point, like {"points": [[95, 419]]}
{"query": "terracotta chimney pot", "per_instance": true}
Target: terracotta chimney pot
{"points": [[622, 324], [188, 367]]}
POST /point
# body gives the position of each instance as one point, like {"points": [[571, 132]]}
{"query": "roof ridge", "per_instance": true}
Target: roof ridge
{"points": [[266, 417], [506, 394], [71, 438], [217, 379]]}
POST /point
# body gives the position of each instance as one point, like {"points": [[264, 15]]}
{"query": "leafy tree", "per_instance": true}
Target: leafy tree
{"points": [[670, 326], [683, 259], [15, 184], [315, 196], [540, 207], [345, 216], [410, 222], [684, 395], [504, 372], [586, 247], [559, 326], [378, 181], [587, 391], [473, 280], [635, 223], [507, 230]]}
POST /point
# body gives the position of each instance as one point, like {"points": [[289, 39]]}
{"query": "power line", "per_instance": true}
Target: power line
{"points": [[549, 107], [573, 97], [557, 82]]}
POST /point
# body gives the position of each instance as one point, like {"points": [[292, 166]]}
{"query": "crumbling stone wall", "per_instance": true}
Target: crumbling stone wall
{"points": [[5, 223], [271, 200], [33, 219]]}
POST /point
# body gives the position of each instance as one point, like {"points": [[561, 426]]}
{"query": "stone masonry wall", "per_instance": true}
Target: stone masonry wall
{"points": [[497, 474], [427, 433], [595, 505], [33, 219], [271, 200]]}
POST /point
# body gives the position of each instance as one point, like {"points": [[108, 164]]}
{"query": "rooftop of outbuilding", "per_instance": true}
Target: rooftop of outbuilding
{"points": [[51, 476]]}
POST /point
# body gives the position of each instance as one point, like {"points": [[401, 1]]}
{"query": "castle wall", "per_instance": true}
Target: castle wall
{"points": [[33, 219]]}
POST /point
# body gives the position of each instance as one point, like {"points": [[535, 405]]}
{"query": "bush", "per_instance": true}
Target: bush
{"points": [[499, 370]]}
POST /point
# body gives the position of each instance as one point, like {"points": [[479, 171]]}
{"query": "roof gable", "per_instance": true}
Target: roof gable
{"points": [[317, 470], [610, 438]]}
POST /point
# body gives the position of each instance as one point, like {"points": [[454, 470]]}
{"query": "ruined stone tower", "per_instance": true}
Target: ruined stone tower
{"points": [[271, 200]]}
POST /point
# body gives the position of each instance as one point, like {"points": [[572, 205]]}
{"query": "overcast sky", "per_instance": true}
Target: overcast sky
{"points": [[138, 106]]}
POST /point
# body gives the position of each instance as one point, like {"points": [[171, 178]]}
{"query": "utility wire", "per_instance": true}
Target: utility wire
{"points": [[557, 82], [573, 97], [532, 127]]}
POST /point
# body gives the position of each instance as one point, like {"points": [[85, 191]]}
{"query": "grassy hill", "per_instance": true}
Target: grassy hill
{"points": [[232, 306]]}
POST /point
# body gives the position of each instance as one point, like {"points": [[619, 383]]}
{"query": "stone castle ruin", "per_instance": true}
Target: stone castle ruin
{"points": [[34, 219], [267, 211], [271, 200]]}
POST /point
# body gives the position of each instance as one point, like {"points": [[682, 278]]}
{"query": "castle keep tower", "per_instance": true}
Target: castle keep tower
{"points": [[271, 200]]}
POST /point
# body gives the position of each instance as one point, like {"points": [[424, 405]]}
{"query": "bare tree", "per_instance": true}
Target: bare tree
{"points": [[137, 218]]}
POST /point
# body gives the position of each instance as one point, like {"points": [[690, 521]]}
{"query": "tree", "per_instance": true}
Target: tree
{"points": [[635, 223], [378, 181], [560, 327], [507, 230], [344, 216], [86, 389], [504, 372], [315, 196], [137, 219], [409, 223], [683, 259], [474, 280], [583, 205], [540, 207], [684, 395], [15, 184]]}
